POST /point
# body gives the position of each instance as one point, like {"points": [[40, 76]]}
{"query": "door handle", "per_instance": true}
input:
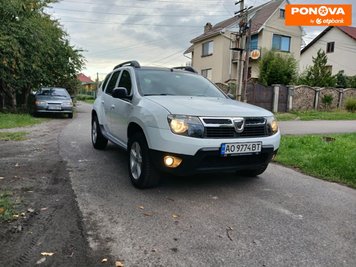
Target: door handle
{"points": [[112, 106]]}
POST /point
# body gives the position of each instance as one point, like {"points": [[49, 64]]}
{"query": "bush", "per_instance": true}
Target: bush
{"points": [[84, 97], [350, 104], [277, 68], [327, 101]]}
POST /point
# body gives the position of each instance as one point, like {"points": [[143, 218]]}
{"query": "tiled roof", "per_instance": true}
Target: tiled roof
{"points": [[350, 31], [261, 15], [84, 79]]}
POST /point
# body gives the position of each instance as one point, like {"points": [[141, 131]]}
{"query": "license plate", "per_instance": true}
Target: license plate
{"points": [[240, 148], [54, 107]]}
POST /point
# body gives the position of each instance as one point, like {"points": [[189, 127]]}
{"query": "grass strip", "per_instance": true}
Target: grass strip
{"points": [[13, 120], [6, 207], [316, 115], [15, 136], [330, 157]]}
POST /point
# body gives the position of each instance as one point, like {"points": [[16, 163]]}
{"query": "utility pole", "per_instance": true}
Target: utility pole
{"points": [[242, 45], [239, 48], [247, 59]]}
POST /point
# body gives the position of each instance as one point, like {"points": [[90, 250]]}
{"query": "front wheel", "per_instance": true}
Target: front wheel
{"points": [[141, 170], [98, 139]]}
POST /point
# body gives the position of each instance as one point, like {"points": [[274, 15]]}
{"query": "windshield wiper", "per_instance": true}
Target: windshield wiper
{"points": [[156, 94]]}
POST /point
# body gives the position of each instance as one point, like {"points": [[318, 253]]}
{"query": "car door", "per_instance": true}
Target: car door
{"points": [[121, 108], [107, 100]]}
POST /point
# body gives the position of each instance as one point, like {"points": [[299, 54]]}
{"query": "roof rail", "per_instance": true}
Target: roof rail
{"points": [[132, 63], [187, 68]]}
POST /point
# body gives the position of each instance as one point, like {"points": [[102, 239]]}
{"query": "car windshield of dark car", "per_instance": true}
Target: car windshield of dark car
{"points": [[163, 82], [53, 93]]}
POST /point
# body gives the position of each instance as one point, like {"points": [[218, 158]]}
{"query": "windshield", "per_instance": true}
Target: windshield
{"points": [[163, 82], [57, 92]]}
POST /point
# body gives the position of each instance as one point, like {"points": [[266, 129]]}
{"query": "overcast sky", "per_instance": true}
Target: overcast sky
{"points": [[154, 32]]}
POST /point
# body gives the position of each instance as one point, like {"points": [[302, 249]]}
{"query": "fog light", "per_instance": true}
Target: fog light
{"points": [[171, 161]]}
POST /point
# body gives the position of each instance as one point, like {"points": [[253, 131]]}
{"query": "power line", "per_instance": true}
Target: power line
{"points": [[131, 24], [136, 15], [142, 44]]}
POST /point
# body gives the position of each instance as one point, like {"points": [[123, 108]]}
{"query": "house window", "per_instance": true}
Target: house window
{"points": [[281, 42], [207, 48], [330, 47], [207, 73], [254, 42], [282, 13]]}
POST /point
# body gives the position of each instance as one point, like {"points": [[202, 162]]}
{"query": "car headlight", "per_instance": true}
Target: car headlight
{"points": [[67, 103], [41, 102], [272, 125], [186, 125]]}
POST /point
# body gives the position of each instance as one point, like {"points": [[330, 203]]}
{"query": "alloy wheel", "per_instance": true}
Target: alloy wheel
{"points": [[136, 160]]}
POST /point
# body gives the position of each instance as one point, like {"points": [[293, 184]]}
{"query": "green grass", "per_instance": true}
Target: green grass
{"points": [[6, 207], [316, 115], [12, 120], [313, 155], [15, 136]]}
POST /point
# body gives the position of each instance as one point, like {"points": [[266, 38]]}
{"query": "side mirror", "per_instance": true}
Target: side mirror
{"points": [[231, 96], [120, 92]]}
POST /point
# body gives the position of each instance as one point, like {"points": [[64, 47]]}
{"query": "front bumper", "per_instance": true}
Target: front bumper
{"points": [[65, 110], [207, 160], [165, 140]]}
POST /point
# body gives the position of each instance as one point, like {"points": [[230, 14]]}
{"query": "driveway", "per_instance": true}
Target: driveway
{"points": [[281, 218], [317, 127]]}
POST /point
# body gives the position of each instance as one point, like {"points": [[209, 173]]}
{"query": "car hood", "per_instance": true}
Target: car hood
{"points": [[207, 106]]}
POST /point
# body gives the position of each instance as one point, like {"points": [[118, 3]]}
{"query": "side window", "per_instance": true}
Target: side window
{"points": [[105, 82], [125, 81], [112, 82]]}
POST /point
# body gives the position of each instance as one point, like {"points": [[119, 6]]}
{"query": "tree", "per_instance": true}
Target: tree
{"points": [[319, 74], [34, 50], [276, 68], [343, 81]]}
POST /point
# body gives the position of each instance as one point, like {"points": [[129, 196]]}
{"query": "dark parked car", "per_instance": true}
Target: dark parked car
{"points": [[53, 100]]}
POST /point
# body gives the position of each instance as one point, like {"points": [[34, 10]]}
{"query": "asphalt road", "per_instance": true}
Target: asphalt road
{"points": [[282, 218]]}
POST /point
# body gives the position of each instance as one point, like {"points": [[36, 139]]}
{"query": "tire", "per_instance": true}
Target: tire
{"points": [[252, 172], [141, 170], [70, 115], [98, 139]]}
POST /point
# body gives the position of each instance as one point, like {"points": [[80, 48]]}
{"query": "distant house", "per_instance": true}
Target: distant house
{"points": [[87, 83], [211, 54], [339, 44]]}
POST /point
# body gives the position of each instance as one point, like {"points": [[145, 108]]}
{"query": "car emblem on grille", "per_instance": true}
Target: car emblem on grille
{"points": [[239, 124]]}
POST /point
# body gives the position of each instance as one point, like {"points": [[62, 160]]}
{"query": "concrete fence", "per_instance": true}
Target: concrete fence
{"points": [[280, 98], [305, 97]]}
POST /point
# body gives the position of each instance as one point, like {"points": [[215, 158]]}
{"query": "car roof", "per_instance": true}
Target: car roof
{"points": [[135, 65]]}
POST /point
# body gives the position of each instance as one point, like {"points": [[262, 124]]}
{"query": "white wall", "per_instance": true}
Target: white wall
{"points": [[219, 61]]}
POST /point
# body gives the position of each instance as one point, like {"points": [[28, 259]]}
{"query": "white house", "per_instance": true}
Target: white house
{"points": [[211, 51], [339, 43]]}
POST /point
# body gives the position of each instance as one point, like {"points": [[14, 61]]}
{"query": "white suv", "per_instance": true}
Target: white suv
{"points": [[176, 121]]}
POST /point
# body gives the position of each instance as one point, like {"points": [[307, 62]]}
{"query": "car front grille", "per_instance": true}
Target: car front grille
{"points": [[223, 128]]}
